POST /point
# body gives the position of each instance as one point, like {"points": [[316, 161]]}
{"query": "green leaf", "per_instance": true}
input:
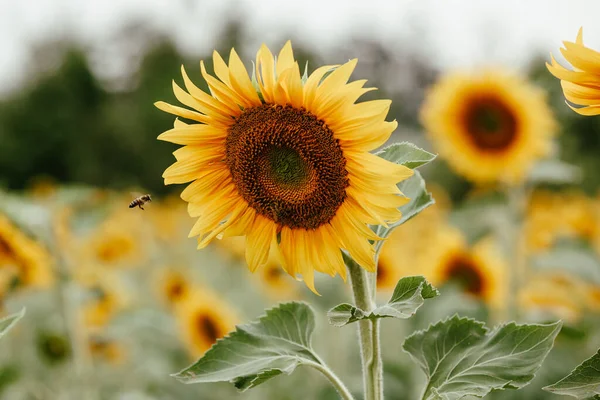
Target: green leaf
{"points": [[9, 321], [583, 382], [462, 358], [256, 352], [406, 154], [410, 294], [413, 188]]}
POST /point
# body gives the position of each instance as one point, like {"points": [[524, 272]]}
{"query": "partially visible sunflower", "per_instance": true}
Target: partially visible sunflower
{"points": [[117, 242], [107, 350], [285, 161], [203, 318], [555, 295], [547, 219], [173, 285], [479, 270], [403, 252], [106, 297], [581, 86], [23, 258], [490, 126]]}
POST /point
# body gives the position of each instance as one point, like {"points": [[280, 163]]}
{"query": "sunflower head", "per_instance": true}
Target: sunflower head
{"points": [[489, 126], [203, 318], [581, 86], [478, 269], [285, 162], [173, 286]]}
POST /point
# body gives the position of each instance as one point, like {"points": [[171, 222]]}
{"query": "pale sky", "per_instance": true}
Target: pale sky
{"points": [[454, 33]]}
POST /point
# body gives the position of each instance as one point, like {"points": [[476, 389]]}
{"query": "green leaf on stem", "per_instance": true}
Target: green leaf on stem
{"points": [[461, 357], [413, 188], [583, 382], [410, 294], [406, 154], [411, 156], [9, 321], [277, 343]]}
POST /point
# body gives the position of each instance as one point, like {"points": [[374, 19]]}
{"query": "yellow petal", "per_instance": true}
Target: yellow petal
{"points": [[258, 242], [590, 110], [581, 57], [183, 112], [312, 83], [285, 59], [222, 92], [291, 82], [240, 81], [265, 72], [194, 135], [230, 219], [221, 69], [224, 107]]}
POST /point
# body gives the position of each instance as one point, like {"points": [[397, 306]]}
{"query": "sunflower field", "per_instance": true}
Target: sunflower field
{"points": [[434, 238]]}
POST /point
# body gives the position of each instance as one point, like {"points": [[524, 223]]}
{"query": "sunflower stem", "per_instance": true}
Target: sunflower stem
{"points": [[333, 379], [517, 198], [368, 331]]}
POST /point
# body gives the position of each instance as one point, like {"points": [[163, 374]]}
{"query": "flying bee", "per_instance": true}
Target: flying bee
{"points": [[140, 201]]}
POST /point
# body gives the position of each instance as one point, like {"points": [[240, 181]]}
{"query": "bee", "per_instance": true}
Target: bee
{"points": [[140, 201]]}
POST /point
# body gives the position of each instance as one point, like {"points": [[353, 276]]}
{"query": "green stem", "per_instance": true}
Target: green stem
{"points": [[334, 380], [368, 331], [517, 197]]}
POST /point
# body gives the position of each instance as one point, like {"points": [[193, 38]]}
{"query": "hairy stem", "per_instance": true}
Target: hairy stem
{"points": [[334, 380], [517, 197], [368, 330]]}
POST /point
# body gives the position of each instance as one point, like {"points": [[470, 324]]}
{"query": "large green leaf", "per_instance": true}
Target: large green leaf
{"points": [[406, 154], [410, 294], [583, 382], [9, 321], [256, 352], [462, 358]]}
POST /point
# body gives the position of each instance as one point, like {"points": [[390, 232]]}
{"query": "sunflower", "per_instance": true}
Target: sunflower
{"points": [[106, 350], [479, 270], [285, 161], [173, 286], [23, 258], [547, 219], [203, 318], [582, 85], [105, 299], [490, 126], [116, 242], [404, 249]]}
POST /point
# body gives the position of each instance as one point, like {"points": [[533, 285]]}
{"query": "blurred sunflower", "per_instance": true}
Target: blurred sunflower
{"points": [[203, 318], [106, 298], [404, 248], [547, 219], [582, 85], [23, 261], [553, 295], [284, 160], [479, 269], [106, 350], [491, 126], [117, 241], [167, 218], [173, 285]]}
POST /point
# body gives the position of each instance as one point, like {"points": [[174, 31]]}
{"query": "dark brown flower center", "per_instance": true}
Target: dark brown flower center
{"points": [[208, 328], [287, 165], [463, 270], [491, 124]]}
